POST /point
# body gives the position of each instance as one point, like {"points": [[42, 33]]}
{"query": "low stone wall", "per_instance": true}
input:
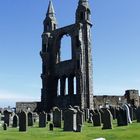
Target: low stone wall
{"points": [[27, 106]]}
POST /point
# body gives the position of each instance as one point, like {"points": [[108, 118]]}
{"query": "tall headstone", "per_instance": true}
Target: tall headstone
{"points": [[113, 112], [79, 118], [30, 119], [23, 121], [4, 126], [90, 118], [70, 123], [127, 113], [101, 111], [86, 112], [131, 112], [138, 114], [121, 117], [42, 119], [96, 118], [15, 121], [134, 113], [57, 117], [107, 119], [7, 116], [51, 126]]}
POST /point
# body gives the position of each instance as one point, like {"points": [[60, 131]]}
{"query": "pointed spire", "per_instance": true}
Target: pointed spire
{"points": [[83, 2], [50, 22], [50, 12]]}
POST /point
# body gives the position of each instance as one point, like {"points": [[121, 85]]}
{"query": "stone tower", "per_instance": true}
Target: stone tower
{"points": [[79, 67]]}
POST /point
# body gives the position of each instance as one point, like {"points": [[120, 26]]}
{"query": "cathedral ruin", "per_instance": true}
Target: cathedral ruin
{"points": [[70, 82], [77, 71]]}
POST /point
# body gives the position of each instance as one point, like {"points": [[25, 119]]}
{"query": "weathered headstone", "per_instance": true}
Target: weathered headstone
{"points": [[138, 114], [86, 112], [4, 126], [57, 117], [42, 119], [96, 118], [15, 121], [113, 112], [134, 113], [23, 121], [131, 112], [79, 116], [90, 118], [30, 119], [7, 116], [107, 119], [70, 123], [121, 117], [127, 113], [102, 117], [51, 126]]}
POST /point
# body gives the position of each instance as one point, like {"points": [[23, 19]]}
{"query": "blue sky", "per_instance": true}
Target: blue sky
{"points": [[115, 45]]}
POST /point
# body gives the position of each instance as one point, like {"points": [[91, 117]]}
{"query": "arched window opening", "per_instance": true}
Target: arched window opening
{"points": [[74, 85], [58, 88], [66, 89], [66, 48]]}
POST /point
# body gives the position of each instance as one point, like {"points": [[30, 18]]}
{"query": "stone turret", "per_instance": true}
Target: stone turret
{"points": [[50, 22], [83, 11]]}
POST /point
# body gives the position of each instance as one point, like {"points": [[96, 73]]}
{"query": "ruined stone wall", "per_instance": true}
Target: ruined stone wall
{"points": [[110, 100], [26, 106]]}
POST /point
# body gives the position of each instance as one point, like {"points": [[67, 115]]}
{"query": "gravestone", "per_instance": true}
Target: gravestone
{"points": [[134, 113], [90, 118], [107, 119], [30, 119], [86, 112], [42, 119], [23, 121], [51, 126], [4, 126], [101, 112], [7, 116], [79, 128], [15, 121], [138, 114], [127, 113], [57, 117], [113, 112], [96, 118], [79, 116], [70, 123], [121, 117], [131, 112]]}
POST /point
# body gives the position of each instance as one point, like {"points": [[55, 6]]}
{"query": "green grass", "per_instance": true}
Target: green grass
{"points": [[131, 132]]}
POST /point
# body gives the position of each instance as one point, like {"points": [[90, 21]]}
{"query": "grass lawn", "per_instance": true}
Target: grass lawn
{"points": [[131, 132]]}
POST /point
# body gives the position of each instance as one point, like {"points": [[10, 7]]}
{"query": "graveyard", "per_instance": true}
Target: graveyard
{"points": [[89, 133]]}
